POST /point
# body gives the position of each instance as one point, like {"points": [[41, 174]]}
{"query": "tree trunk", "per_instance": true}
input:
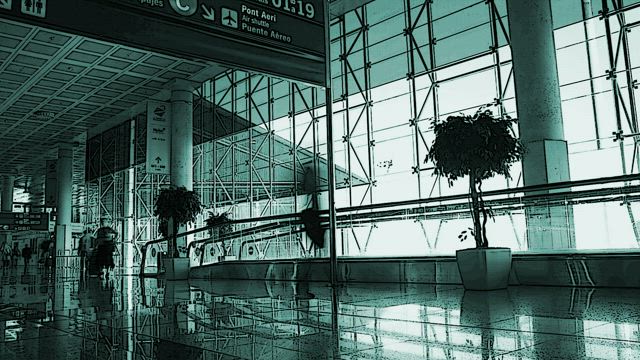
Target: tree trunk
{"points": [[172, 241], [176, 252], [475, 212], [485, 217]]}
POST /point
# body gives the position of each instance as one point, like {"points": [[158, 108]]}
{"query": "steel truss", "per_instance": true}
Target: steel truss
{"points": [[357, 102], [254, 134], [107, 196], [626, 110], [265, 133]]}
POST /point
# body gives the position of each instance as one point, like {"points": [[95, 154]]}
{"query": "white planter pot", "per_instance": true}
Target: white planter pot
{"points": [[484, 269], [176, 268]]}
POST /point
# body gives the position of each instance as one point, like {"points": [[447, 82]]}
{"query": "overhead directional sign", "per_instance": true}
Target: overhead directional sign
{"points": [[5, 4], [24, 221], [290, 23], [34, 7], [158, 138], [281, 37]]}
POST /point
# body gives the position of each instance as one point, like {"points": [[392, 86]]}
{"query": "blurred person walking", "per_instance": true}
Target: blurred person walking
{"points": [[5, 251], [15, 254], [26, 255], [105, 247], [85, 250]]}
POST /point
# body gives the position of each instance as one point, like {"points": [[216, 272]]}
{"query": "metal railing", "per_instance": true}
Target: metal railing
{"points": [[279, 222], [260, 229], [143, 261], [623, 189]]}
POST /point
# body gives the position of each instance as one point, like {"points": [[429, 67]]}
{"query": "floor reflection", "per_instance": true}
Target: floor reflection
{"points": [[133, 318]]}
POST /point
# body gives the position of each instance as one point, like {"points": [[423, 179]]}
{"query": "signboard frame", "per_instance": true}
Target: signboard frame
{"points": [[158, 152], [141, 28], [24, 221]]}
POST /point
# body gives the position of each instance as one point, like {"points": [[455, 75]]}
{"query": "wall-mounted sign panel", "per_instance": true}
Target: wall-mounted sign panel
{"points": [[158, 138], [24, 221], [280, 37]]}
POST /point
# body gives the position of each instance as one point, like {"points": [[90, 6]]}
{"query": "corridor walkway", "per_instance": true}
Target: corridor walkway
{"points": [[127, 318]]}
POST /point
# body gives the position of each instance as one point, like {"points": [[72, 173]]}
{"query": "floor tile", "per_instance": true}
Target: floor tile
{"points": [[131, 318]]}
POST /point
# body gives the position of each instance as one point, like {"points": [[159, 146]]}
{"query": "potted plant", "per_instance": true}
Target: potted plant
{"points": [[219, 225], [479, 147], [176, 207]]}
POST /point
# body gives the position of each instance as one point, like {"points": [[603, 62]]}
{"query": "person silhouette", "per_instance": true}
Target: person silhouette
{"points": [[39, 6], [28, 4], [105, 247], [26, 255]]}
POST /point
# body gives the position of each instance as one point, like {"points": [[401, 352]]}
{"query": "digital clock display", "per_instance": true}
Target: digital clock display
{"points": [[307, 9], [299, 7]]}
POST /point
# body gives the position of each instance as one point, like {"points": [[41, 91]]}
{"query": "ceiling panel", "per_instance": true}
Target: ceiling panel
{"points": [[56, 86]]}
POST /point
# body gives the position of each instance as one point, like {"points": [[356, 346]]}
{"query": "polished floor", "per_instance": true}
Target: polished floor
{"points": [[127, 318]]}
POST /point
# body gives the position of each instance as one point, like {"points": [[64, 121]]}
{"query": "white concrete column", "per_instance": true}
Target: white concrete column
{"points": [[540, 119], [182, 134], [6, 202], [537, 92], [182, 140], [64, 173]]}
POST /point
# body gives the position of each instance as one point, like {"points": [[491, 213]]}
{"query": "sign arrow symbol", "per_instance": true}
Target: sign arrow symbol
{"points": [[209, 13], [5, 4], [158, 159]]}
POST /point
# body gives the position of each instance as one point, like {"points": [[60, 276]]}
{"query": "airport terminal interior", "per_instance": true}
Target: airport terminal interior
{"points": [[264, 179]]}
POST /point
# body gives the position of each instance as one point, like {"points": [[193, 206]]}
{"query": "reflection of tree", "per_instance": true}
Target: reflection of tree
{"points": [[481, 308], [170, 350], [223, 313], [487, 340]]}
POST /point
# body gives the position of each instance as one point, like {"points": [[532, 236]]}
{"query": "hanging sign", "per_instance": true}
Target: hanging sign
{"points": [[34, 8], [290, 24], [285, 38], [5, 4], [24, 221], [158, 137]]}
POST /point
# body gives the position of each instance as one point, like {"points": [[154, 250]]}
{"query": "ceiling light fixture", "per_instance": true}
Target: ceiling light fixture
{"points": [[43, 115]]}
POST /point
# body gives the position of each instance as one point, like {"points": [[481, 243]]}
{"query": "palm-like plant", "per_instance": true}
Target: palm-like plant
{"points": [[478, 146], [220, 225], [221, 221], [179, 205]]}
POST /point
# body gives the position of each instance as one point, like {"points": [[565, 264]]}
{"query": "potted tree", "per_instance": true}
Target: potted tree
{"points": [[176, 207], [220, 225], [479, 147]]}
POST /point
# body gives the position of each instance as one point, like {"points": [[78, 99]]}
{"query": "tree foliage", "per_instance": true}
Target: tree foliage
{"points": [[221, 221], [478, 146], [179, 204], [220, 225]]}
